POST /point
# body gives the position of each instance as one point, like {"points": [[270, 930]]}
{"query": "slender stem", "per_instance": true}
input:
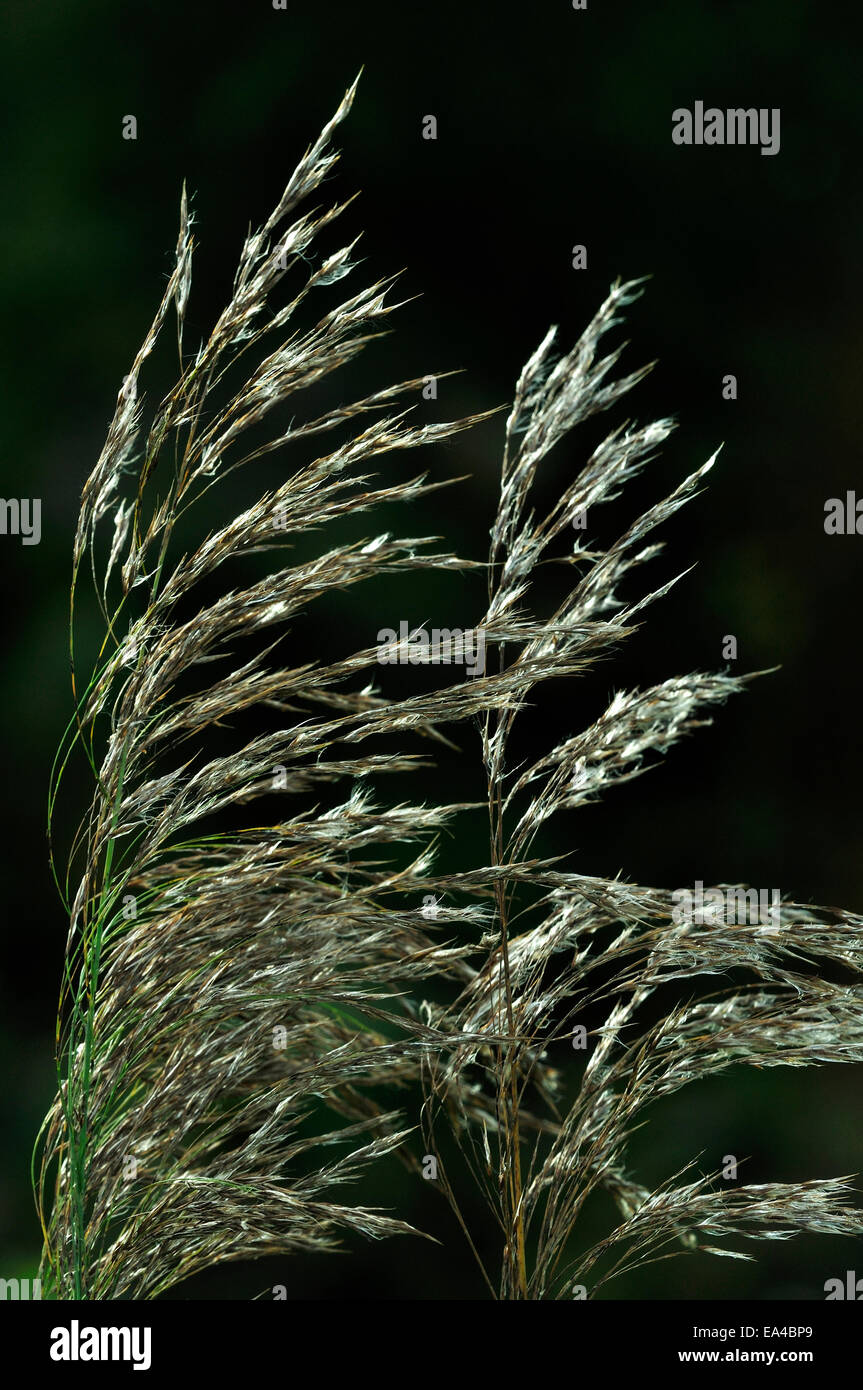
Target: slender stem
{"points": [[508, 1088]]}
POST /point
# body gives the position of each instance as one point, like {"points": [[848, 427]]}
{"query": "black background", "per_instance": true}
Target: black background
{"points": [[554, 129]]}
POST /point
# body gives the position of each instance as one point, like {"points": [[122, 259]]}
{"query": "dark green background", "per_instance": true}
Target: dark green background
{"points": [[554, 129]]}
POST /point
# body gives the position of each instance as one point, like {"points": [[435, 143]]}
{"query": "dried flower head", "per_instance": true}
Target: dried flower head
{"points": [[236, 1001]]}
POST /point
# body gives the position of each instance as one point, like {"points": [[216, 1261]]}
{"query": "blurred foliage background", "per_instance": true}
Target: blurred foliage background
{"points": [[554, 129]]}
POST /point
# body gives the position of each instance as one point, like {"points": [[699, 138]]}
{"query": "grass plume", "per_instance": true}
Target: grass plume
{"points": [[235, 1001]]}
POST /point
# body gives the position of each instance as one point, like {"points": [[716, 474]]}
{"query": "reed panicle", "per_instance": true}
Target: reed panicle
{"points": [[235, 1002]]}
